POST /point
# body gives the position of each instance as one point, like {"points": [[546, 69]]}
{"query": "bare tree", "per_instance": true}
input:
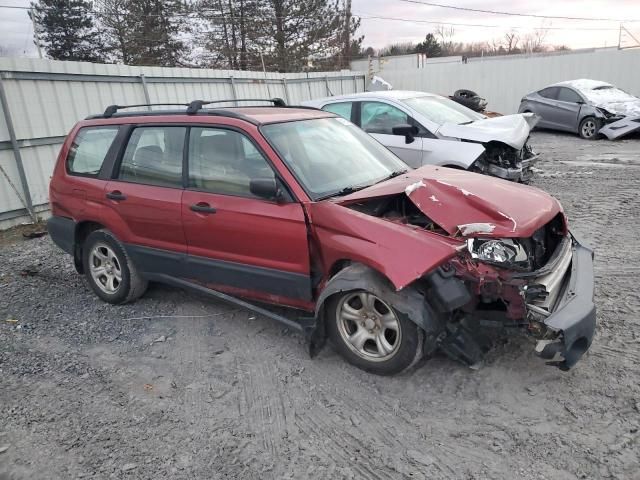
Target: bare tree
{"points": [[511, 40], [446, 38], [535, 41]]}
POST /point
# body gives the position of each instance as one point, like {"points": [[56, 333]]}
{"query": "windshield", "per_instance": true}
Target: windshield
{"points": [[330, 156], [441, 110]]}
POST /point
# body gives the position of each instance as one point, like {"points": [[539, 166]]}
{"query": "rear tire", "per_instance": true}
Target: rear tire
{"points": [[370, 333], [109, 270], [589, 128]]}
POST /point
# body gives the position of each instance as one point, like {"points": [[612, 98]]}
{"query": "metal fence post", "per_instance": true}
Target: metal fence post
{"points": [[233, 90], [355, 84], [145, 90], [286, 90], [309, 86], [326, 85], [28, 204]]}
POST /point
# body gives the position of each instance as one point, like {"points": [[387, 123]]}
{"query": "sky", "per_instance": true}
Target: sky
{"points": [[16, 37]]}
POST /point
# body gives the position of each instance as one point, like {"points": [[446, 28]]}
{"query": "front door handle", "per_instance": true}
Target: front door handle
{"points": [[202, 207], [116, 195]]}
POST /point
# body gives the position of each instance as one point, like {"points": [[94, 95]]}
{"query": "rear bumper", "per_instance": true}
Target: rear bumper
{"points": [[62, 231], [572, 322]]}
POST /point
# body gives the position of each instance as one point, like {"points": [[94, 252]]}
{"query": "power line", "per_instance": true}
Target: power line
{"points": [[433, 22], [514, 14], [219, 18]]}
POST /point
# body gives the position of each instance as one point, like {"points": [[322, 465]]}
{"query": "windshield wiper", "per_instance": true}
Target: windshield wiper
{"points": [[354, 188], [344, 191], [392, 175]]}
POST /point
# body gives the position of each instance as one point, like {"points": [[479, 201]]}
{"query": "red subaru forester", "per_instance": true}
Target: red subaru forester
{"points": [[299, 208]]}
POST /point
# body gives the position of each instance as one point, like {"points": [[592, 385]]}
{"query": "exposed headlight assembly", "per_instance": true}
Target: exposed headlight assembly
{"points": [[502, 252]]}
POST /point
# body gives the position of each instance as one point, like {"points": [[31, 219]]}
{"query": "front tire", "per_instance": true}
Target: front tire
{"points": [[109, 271], [370, 333], [589, 128]]}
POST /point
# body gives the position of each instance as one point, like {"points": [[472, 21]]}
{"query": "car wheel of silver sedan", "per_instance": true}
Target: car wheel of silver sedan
{"points": [[589, 128], [369, 332]]}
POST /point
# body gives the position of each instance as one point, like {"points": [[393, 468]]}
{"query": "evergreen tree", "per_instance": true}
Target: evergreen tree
{"points": [[115, 21], [156, 32], [295, 31], [430, 46], [229, 36], [66, 30]]}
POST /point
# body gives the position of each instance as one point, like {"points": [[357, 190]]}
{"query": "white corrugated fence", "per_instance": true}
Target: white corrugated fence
{"points": [[504, 80], [45, 98]]}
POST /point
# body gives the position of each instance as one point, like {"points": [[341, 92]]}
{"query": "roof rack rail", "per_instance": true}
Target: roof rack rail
{"points": [[197, 105], [111, 109]]}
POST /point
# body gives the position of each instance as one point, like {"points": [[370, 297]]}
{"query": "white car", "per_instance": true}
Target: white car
{"points": [[423, 128]]}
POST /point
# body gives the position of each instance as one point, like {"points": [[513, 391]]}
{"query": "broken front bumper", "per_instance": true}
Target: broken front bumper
{"points": [[621, 127], [570, 314], [520, 174]]}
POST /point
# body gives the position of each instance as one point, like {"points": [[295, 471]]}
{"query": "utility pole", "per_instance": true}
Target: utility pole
{"points": [[346, 55], [36, 31]]}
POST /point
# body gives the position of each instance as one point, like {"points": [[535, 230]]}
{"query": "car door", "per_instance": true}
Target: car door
{"points": [[378, 118], [568, 106], [545, 106], [143, 200], [257, 247]]}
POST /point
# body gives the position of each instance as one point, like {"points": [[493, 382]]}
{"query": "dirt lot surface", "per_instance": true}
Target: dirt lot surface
{"points": [[177, 386]]}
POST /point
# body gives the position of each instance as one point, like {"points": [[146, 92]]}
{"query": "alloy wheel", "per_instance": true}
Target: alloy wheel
{"points": [[105, 268], [368, 326], [589, 128]]}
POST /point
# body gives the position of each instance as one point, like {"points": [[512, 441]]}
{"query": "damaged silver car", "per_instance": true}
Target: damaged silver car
{"points": [[589, 108], [427, 129]]}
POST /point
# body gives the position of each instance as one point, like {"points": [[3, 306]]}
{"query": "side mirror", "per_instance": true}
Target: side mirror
{"points": [[265, 188], [408, 131]]}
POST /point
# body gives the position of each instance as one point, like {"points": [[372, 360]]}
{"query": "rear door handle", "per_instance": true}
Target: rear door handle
{"points": [[116, 195], [202, 208]]}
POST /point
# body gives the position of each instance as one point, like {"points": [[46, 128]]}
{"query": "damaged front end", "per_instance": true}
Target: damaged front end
{"points": [[506, 266], [542, 285], [503, 161], [617, 126]]}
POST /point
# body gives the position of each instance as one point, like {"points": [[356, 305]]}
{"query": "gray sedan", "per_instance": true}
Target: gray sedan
{"points": [[586, 107]]}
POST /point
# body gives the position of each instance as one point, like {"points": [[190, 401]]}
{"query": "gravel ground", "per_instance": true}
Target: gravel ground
{"points": [[177, 386]]}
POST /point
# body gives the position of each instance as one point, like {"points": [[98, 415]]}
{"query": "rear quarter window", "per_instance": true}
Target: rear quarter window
{"points": [[549, 92], [89, 149], [343, 109]]}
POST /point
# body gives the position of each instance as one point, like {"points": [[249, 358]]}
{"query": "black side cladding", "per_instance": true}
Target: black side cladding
{"points": [[62, 231], [446, 292]]}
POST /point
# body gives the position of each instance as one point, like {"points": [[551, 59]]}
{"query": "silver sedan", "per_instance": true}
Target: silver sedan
{"points": [[589, 108]]}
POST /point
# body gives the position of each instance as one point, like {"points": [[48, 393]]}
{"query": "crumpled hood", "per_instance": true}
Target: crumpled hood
{"points": [[628, 108], [469, 204], [510, 129]]}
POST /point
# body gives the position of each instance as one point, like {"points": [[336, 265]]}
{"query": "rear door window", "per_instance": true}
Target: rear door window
{"points": [[343, 109], [568, 95], [549, 92], [154, 156], [378, 117], [89, 150]]}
